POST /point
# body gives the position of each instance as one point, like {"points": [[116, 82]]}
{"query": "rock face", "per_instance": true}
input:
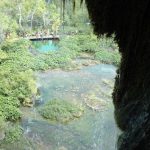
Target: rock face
{"points": [[129, 20]]}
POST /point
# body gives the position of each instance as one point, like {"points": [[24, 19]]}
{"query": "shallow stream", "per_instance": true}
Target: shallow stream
{"points": [[95, 130]]}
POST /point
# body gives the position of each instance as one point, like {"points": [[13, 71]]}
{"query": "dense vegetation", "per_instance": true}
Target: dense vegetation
{"points": [[61, 111], [16, 78], [104, 49], [32, 17]]}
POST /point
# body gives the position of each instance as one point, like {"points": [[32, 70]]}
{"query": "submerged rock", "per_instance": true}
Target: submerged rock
{"points": [[28, 102], [62, 148], [2, 135], [95, 103], [39, 101], [109, 83]]}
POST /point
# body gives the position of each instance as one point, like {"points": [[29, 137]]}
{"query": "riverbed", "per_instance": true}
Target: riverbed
{"points": [[95, 130]]}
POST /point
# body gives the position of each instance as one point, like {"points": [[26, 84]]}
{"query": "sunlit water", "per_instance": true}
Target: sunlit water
{"points": [[45, 45], [95, 130]]}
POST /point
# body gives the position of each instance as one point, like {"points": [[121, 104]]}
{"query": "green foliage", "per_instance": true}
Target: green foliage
{"points": [[104, 49], [2, 124], [14, 45], [27, 17], [13, 134], [17, 84], [70, 43], [109, 57], [3, 56], [54, 59], [61, 111], [76, 21], [88, 43], [16, 78], [10, 112], [80, 43], [108, 51], [106, 43]]}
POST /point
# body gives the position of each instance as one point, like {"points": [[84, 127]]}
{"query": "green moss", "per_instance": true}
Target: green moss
{"points": [[108, 57], [61, 111], [2, 123], [13, 134]]}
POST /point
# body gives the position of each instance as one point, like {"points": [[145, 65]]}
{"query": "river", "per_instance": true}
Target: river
{"points": [[95, 130]]}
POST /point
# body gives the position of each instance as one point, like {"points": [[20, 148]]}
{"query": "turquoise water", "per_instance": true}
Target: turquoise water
{"points": [[95, 130], [45, 45]]}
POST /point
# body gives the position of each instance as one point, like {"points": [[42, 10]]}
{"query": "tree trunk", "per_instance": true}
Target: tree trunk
{"points": [[44, 21], [31, 23], [20, 16]]}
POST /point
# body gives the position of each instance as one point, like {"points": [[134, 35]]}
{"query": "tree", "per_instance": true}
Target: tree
{"points": [[55, 21]]}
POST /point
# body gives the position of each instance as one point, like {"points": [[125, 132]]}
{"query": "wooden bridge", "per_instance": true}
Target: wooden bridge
{"points": [[40, 38]]}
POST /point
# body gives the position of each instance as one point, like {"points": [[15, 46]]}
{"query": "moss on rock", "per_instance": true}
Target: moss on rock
{"points": [[61, 111]]}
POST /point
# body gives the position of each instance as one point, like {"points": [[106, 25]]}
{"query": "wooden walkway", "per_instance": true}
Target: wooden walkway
{"points": [[50, 37]]}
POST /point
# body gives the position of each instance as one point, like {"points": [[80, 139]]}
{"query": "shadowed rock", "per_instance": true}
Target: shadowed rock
{"points": [[129, 20]]}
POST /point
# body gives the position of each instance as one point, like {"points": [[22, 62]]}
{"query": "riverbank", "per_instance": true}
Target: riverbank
{"points": [[18, 66], [94, 128]]}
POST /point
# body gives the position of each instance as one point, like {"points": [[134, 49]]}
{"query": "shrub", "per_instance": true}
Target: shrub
{"points": [[80, 43], [2, 123], [60, 111], [11, 112], [16, 78], [12, 45], [107, 44], [108, 57], [13, 134], [3, 56]]}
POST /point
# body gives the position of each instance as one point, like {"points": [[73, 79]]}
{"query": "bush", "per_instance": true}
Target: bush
{"points": [[13, 134], [56, 59], [2, 123], [80, 43], [16, 78], [60, 111], [108, 57], [11, 112], [71, 46], [12, 45], [3, 56], [107, 44]]}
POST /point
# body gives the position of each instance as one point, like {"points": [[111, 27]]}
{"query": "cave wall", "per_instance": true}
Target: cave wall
{"points": [[129, 20]]}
